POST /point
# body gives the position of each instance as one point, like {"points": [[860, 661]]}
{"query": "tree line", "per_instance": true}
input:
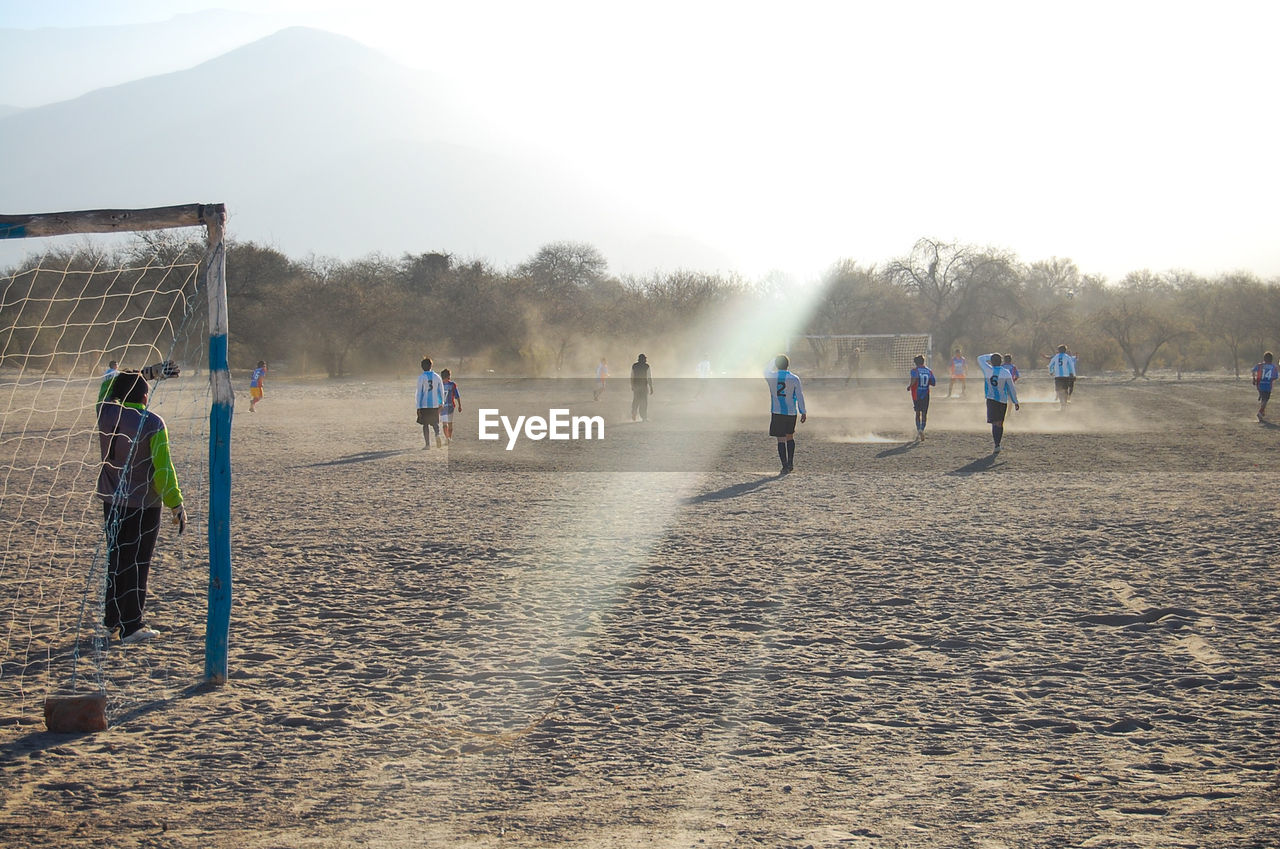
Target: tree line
{"points": [[560, 310]]}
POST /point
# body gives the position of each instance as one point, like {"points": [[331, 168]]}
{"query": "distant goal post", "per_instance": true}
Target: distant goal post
{"points": [[212, 274], [866, 355]]}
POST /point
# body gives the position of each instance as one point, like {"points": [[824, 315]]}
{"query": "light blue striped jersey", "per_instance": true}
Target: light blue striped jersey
{"points": [[996, 382], [784, 387], [1062, 365], [430, 390]]}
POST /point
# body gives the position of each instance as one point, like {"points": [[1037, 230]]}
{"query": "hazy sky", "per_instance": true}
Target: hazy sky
{"points": [[1123, 135]]}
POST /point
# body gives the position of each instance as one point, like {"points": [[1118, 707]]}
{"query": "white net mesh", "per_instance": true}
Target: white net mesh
{"points": [[872, 355], [63, 318]]}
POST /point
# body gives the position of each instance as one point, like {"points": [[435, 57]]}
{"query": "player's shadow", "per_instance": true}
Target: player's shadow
{"points": [[1267, 424], [362, 457], [897, 449], [982, 464], [730, 491]]}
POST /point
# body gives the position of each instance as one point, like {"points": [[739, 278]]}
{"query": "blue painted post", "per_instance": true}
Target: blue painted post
{"points": [[219, 621]]}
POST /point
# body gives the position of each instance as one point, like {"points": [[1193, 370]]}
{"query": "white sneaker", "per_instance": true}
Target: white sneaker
{"points": [[995, 450], [141, 635]]}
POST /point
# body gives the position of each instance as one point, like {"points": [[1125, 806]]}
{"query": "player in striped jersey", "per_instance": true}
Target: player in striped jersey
{"points": [[1000, 394], [787, 402], [430, 400], [1063, 368], [921, 379], [1264, 375]]}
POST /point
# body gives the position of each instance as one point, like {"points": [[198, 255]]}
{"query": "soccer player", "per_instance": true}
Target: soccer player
{"points": [[1011, 368], [135, 482], [602, 374], [921, 379], [641, 380], [787, 400], [1264, 375], [959, 367], [853, 366], [257, 384], [1000, 394], [452, 401], [1063, 368], [430, 400]]}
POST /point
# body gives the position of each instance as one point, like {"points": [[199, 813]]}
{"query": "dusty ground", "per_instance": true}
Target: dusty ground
{"points": [[655, 640]]}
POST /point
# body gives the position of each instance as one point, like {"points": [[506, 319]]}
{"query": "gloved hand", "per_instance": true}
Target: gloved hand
{"points": [[180, 517], [161, 370]]}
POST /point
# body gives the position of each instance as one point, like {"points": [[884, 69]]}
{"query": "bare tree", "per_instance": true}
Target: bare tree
{"points": [[1229, 309], [257, 281], [963, 290], [561, 279], [1047, 300], [346, 307], [1141, 316]]}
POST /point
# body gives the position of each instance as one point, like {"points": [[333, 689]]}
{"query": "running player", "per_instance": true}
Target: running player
{"points": [[787, 402], [257, 384], [430, 400], [959, 367], [452, 402], [921, 379], [1063, 368], [1264, 374], [1000, 394]]}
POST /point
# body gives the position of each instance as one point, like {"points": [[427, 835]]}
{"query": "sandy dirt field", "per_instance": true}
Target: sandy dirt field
{"points": [[654, 639]]}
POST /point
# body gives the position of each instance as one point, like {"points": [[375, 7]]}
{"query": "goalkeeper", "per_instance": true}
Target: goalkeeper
{"points": [[136, 481]]}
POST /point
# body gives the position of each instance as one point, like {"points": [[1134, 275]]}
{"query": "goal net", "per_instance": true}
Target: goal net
{"points": [[872, 355], [67, 315]]}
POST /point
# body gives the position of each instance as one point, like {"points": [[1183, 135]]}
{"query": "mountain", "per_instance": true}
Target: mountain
{"points": [[65, 62], [318, 144]]}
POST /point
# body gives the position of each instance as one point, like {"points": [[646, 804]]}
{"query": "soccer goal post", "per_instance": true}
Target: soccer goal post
{"points": [[871, 354], [64, 315]]}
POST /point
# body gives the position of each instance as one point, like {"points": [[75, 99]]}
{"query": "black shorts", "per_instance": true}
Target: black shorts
{"points": [[428, 415], [921, 404], [1061, 384], [781, 425], [1264, 395], [996, 411]]}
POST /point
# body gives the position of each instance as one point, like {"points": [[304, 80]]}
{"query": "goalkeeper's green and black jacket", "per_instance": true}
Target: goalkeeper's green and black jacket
{"points": [[137, 470]]}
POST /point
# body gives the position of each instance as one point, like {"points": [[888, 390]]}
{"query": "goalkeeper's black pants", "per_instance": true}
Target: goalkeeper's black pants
{"points": [[131, 540]]}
